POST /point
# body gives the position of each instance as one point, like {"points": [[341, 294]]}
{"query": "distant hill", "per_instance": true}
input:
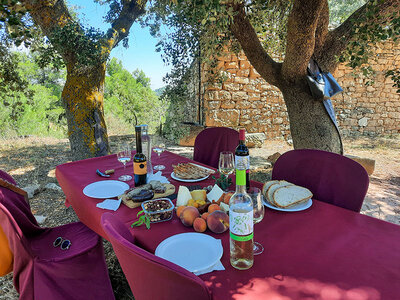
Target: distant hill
{"points": [[159, 91]]}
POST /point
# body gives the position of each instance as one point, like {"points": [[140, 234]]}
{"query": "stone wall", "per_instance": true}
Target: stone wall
{"points": [[246, 100]]}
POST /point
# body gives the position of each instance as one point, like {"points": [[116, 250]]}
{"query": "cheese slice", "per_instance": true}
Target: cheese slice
{"points": [[183, 196], [200, 195], [215, 194]]}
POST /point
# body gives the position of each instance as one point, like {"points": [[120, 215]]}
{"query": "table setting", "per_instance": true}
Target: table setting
{"points": [[291, 237]]}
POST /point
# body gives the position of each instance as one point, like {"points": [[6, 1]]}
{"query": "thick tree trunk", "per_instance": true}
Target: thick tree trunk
{"points": [[310, 124], [83, 100]]}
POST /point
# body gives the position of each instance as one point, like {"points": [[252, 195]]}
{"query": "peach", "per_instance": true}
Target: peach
{"points": [[188, 215], [199, 225], [218, 221], [179, 210], [205, 215], [213, 207]]}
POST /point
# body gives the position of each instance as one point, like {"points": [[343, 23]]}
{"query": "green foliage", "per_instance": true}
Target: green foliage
{"points": [[38, 110], [370, 29], [222, 181], [128, 98], [143, 219], [340, 10], [177, 96]]}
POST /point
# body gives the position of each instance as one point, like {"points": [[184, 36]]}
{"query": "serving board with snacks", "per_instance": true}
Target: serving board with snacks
{"points": [[133, 203]]}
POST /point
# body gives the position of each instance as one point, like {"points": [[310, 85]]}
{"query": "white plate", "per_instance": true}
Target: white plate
{"points": [[105, 189], [173, 176], [298, 207], [193, 251]]}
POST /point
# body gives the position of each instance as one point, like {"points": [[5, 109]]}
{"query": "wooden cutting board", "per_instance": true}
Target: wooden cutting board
{"points": [[169, 191]]}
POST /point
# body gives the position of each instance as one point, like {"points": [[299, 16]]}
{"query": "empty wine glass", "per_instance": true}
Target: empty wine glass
{"points": [[258, 214], [124, 156], [160, 148]]}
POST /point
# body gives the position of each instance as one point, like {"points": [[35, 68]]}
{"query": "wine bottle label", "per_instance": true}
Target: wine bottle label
{"points": [[240, 177], [241, 238], [241, 224], [244, 160], [140, 168]]}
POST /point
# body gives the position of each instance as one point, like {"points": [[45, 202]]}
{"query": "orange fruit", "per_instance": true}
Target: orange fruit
{"points": [[213, 207], [179, 210]]}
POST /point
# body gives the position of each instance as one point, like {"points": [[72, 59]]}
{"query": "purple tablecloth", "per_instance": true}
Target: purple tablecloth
{"points": [[324, 252]]}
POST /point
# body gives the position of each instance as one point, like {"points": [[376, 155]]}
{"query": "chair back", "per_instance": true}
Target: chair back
{"points": [[211, 141], [331, 177], [17, 222], [149, 276]]}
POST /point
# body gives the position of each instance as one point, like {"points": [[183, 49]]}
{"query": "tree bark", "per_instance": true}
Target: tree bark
{"points": [[82, 97], [84, 89], [310, 124]]}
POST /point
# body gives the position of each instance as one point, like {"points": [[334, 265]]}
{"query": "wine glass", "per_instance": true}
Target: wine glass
{"points": [[124, 155], [226, 165], [258, 214], [160, 148]]}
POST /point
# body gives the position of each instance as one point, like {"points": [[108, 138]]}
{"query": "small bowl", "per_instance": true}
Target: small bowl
{"points": [[157, 211]]}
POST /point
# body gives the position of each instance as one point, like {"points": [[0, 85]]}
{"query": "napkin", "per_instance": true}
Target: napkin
{"points": [[217, 267], [110, 204], [157, 176]]}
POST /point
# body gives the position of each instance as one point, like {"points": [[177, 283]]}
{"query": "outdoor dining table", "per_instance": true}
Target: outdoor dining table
{"points": [[323, 252]]}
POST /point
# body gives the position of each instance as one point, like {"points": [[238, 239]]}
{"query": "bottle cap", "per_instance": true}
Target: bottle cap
{"points": [[242, 134], [144, 128]]}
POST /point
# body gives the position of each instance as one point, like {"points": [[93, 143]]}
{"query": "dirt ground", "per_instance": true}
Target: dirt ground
{"points": [[32, 160]]}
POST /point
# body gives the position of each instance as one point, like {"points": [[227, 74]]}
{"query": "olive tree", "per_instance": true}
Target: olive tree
{"points": [[294, 31]]}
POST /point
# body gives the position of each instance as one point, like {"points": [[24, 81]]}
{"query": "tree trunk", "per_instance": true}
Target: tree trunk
{"points": [[310, 124], [83, 100]]}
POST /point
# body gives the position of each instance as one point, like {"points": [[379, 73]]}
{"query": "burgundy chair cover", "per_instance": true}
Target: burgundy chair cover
{"points": [[211, 141], [331, 177], [42, 271], [149, 276]]}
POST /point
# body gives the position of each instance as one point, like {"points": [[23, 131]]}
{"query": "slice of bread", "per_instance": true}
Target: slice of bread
{"points": [[273, 187], [266, 187], [289, 195]]}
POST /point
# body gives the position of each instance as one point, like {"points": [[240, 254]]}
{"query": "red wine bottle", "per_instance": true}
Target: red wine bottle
{"points": [[139, 160], [242, 155]]}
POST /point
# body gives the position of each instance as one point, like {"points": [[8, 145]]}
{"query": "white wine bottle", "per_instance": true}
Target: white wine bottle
{"points": [[241, 222]]}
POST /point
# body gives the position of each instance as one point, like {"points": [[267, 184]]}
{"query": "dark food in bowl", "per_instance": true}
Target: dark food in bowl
{"points": [[158, 210]]}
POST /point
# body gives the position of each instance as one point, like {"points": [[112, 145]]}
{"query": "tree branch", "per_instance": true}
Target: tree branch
{"points": [[322, 29], [248, 39], [302, 24], [338, 39], [50, 16], [131, 10]]}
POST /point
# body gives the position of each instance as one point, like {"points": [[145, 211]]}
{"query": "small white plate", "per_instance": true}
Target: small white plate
{"points": [[173, 176], [298, 207], [193, 251], [105, 189]]}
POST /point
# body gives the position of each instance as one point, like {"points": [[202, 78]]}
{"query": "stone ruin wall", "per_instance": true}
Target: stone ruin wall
{"points": [[246, 100]]}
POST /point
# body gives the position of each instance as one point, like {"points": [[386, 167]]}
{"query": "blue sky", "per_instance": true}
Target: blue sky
{"points": [[141, 53]]}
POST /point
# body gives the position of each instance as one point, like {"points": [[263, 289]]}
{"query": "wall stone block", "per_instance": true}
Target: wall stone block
{"points": [[239, 96], [241, 80]]}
